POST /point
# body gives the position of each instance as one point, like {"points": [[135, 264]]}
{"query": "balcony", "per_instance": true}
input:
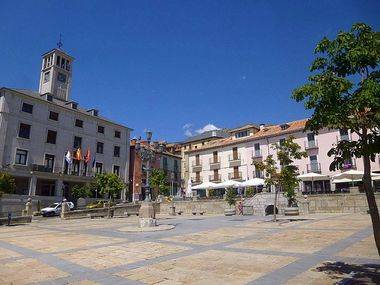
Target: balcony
{"points": [[197, 166], [235, 175], [309, 145], [215, 178], [257, 154], [314, 167], [349, 164], [41, 168], [214, 163], [196, 181], [234, 160]]}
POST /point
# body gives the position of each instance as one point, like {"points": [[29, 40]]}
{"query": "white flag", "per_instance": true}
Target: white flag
{"points": [[68, 157]]}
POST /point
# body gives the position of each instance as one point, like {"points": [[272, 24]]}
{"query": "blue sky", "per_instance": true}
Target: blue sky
{"points": [[164, 65]]}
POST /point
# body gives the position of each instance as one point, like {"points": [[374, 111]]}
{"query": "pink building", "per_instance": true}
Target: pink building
{"points": [[232, 157]]}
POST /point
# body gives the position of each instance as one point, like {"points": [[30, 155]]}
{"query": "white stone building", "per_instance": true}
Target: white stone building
{"points": [[38, 128]]}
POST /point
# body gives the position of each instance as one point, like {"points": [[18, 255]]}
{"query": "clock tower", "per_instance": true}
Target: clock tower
{"points": [[56, 74]]}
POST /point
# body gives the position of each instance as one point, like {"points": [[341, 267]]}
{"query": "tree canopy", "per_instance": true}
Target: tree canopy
{"points": [[7, 183], [344, 93]]}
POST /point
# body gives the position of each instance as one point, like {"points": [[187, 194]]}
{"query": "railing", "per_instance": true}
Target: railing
{"points": [[41, 168], [350, 164], [196, 181], [196, 163], [313, 167], [214, 178], [257, 153], [258, 175], [343, 138], [234, 175], [234, 157], [214, 160], [311, 144]]}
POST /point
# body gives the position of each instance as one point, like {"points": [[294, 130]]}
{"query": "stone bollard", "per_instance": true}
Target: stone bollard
{"points": [[172, 210], [65, 208], [28, 207]]}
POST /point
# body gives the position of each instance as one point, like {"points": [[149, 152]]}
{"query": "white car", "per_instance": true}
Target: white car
{"points": [[54, 209]]}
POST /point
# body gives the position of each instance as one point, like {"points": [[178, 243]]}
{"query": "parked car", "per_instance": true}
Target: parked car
{"points": [[99, 204], [55, 209]]}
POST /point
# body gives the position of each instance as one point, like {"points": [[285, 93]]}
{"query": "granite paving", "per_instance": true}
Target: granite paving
{"points": [[312, 249]]}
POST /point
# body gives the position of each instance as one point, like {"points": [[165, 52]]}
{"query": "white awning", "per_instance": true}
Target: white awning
{"points": [[311, 176], [204, 185], [253, 182], [228, 183]]}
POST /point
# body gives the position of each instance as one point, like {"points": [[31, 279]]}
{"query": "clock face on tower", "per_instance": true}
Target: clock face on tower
{"points": [[61, 77]]}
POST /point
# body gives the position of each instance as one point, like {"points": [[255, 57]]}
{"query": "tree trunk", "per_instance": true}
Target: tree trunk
{"points": [[275, 205], [373, 210]]}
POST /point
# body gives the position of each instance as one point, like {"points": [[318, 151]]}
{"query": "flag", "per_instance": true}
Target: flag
{"points": [[87, 157], [93, 162], [68, 157], [78, 154]]}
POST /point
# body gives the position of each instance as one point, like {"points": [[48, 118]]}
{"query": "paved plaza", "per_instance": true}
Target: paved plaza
{"points": [[317, 249]]}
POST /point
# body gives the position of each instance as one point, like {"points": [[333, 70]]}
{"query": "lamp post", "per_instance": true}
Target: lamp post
{"points": [[147, 215]]}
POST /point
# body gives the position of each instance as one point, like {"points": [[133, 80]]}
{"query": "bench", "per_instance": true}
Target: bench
{"points": [[131, 213], [200, 213], [97, 215]]}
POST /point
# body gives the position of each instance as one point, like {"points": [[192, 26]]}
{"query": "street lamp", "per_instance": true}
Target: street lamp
{"points": [[147, 215]]}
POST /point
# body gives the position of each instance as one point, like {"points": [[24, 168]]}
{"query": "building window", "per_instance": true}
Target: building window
{"points": [[99, 167], [116, 151], [258, 173], [116, 170], [77, 142], [257, 149], [21, 156], [51, 137], [79, 123], [101, 129], [241, 134], [344, 135], [24, 131], [49, 162], [117, 134], [53, 116], [27, 108], [46, 76], [99, 147]]}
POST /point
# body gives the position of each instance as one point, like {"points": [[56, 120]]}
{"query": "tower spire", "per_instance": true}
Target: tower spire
{"points": [[60, 44]]}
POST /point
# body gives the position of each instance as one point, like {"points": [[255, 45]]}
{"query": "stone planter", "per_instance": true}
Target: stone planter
{"points": [[291, 211], [229, 212]]}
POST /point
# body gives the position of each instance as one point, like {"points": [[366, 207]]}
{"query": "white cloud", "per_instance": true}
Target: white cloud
{"points": [[206, 128], [188, 133], [187, 126]]}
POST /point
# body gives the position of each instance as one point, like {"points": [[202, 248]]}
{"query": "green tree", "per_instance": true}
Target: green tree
{"points": [[230, 197], [109, 184], [285, 178], [158, 180], [78, 191], [272, 179], [7, 184], [287, 152], [344, 93], [249, 192]]}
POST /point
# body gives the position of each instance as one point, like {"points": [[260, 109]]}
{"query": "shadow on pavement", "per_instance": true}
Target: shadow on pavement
{"points": [[351, 273]]}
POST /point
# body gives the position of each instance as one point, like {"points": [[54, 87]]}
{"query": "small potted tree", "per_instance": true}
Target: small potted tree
{"points": [[231, 201]]}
